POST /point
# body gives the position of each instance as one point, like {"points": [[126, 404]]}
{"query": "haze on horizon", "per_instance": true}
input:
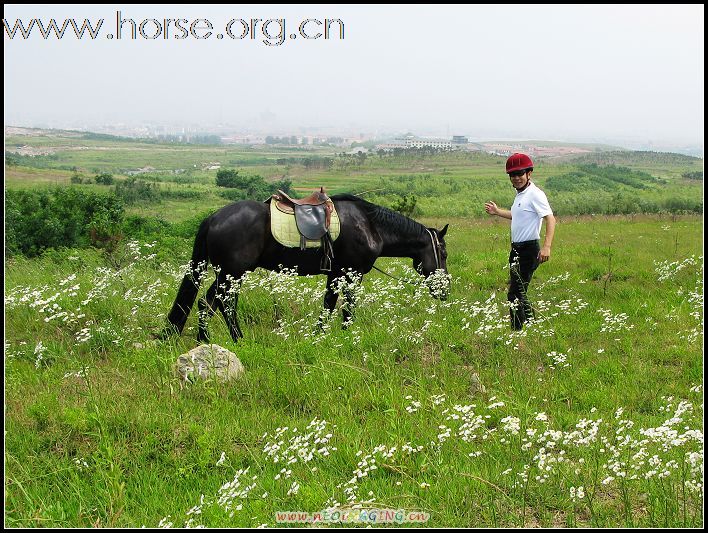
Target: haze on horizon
{"points": [[576, 73]]}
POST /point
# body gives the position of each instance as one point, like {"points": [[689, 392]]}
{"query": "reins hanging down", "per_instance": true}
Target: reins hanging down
{"points": [[436, 247]]}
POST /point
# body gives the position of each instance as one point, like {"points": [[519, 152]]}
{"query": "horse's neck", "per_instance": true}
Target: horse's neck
{"points": [[402, 243]]}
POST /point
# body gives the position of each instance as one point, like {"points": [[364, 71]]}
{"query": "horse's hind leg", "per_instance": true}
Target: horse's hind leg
{"points": [[228, 304], [349, 303], [207, 308], [330, 301]]}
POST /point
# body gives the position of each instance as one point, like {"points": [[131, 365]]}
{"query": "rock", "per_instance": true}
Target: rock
{"points": [[476, 385], [209, 361]]}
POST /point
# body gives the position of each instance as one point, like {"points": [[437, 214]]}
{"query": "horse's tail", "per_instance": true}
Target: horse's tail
{"points": [[189, 287]]}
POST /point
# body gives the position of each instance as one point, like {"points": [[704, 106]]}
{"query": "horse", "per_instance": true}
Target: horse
{"points": [[237, 239]]}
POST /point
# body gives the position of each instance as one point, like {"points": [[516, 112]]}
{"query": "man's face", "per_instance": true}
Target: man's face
{"points": [[519, 179]]}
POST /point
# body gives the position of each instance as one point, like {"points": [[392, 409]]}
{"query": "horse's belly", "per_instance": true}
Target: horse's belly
{"points": [[305, 262]]}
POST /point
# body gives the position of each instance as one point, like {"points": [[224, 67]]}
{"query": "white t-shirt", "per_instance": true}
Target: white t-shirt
{"points": [[527, 212]]}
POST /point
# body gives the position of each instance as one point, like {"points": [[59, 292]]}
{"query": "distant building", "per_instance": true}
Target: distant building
{"points": [[391, 146], [408, 143], [459, 139], [425, 143]]}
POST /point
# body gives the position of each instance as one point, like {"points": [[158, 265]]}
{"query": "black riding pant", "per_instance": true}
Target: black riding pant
{"points": [[523, 262]]}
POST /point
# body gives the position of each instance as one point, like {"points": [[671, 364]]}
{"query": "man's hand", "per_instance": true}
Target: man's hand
{"points": [[491, 208], [545, 254]]}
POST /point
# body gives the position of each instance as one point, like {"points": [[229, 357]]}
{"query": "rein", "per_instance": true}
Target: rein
{"points": [[436, 250], [433, 240], [392, 277]]}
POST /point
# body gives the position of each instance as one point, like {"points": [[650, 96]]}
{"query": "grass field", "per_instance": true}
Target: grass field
{"points": [[591, 417]]}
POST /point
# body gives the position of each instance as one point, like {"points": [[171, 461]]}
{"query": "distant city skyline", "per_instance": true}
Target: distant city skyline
{"points": [[153, 129]]}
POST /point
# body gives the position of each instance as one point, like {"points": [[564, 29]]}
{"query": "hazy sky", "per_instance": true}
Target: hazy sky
{"points": [[554, 72]]}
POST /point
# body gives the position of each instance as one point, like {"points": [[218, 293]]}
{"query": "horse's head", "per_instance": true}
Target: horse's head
{"points": [[432, 263]]}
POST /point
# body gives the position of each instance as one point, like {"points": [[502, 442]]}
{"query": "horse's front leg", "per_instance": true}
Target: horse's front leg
{"points": [[229, 311]]}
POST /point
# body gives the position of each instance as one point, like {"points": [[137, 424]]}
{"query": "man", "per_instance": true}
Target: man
{"points": [[530, 208]]}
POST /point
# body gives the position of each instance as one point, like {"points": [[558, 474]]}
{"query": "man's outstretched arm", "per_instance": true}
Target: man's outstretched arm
{"points": [[545, 253], [492, 209]]}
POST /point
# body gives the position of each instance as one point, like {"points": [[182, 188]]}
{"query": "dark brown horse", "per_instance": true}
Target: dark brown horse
{"points": [[237, 239]]}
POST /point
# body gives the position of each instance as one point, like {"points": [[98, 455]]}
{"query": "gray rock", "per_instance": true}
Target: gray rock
{"points": [[209, 361], [476, 386]]}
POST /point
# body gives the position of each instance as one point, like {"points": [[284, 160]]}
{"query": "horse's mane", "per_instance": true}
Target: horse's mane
{"points": [[383, 216]]}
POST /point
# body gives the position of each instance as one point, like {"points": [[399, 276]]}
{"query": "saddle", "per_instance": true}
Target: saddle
{"points": [[312, 218], [316, 198]]}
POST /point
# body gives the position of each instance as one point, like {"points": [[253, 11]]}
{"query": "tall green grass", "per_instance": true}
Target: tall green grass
{"points": [[590, 417]]}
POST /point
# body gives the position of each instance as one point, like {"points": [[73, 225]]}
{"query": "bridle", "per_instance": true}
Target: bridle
{"points": [[436, 248]]}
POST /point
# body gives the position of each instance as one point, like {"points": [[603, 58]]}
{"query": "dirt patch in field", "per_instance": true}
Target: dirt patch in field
{"points": [[31, 150]]}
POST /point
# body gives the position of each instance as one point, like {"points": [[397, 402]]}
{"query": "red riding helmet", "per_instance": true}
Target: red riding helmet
{"points": [[518, 162]]}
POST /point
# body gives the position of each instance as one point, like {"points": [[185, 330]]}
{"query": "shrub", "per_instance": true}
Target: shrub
{"points": [[59, 217], [245, 187], [228, 178], [104, 179], [181, 194], [234, 195], [406, 205], [697, 175], [133, 191], [137, 227]]}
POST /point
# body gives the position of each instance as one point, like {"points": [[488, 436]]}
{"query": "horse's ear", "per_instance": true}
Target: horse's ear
{"points": [[443, 231]]}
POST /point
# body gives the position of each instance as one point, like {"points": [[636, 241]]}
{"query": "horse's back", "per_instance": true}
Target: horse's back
{"points": [[240, 239]]}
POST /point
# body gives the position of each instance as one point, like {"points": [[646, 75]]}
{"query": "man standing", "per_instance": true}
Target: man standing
{"points": [[530, 208]]}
